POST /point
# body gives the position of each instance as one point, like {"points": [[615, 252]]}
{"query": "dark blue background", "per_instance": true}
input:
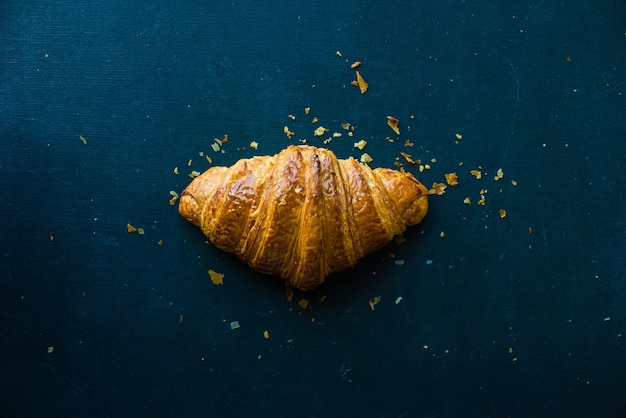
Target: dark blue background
{"points": [[503, 322]]}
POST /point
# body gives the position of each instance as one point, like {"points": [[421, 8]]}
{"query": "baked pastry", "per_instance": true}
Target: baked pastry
{"points": [[302, 213]]}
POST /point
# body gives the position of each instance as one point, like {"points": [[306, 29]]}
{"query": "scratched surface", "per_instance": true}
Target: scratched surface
{"points": [[516, 316]]}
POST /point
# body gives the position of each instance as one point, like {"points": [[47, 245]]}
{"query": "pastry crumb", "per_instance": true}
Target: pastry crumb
{"points": [[394, 124]]}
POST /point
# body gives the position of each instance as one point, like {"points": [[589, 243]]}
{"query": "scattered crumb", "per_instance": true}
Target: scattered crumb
{"points": [[254, 145], [374, 301], [216, 278], [131, 228], [174, 197], [292, 117], [181, 318], [452, 179], [194, 174], [467, 201], [361, 144], [189, 163], [287, 131], [394, 124], [438, 189], [319, 131], [315, 119], [502, 213], [303, 303], [288, 292], [215, 146], [355, 64], [408, 158], [499, 174], [234, 325], [399, 299], [140, 231], [266, 335], [52, 234], [365, 158], [458, 136], [337, 134], [307, 110], [408, 143], [442, 234], [476, 173], [363, 86], [345, 126], [514, 182], [50, 350], [176, 170], [82, 138], [482, 200], [399, 262], [160, 242]]}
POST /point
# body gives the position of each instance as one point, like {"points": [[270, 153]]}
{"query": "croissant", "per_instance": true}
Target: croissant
{"points": [[302, 213]]}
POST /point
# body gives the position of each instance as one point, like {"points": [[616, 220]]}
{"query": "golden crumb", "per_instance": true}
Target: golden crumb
{"points": [[141, 231], [254, 144], [514, 182], [189, 163], [215, 146], [131, 228], [345, 126], [194, 174], [361, 144], [398, 300], [160, 242], [442, 234], [216, 278], [209, 160], [482, 200], [502, 213], [458, 136], [266, 335], [174, 197], [82, 138], [438, 189], [363, 86], [365, 158], [307, 110], [374, 301], [499, 175], [176, 170], [50, 350], [408, 158], [287, 131], [476, 173], [452, 179], [292, 117], [303, 303], [315, 119], [467, 201], [355, 64], [394, 124], [319, 131]]}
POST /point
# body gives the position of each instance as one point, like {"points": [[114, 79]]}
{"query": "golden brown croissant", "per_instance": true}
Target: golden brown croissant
{"points": [[302, 214]]}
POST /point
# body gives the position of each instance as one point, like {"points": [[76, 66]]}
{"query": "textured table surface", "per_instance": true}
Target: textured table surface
{"points": [[516, 316]]}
